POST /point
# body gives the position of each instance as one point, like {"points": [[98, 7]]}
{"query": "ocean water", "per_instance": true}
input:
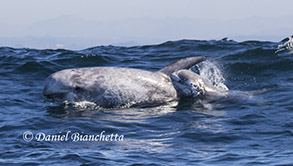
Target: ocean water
{"points": [[254, 126]]}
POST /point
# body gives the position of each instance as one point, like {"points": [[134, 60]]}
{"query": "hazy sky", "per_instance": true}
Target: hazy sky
{"points": [[17, 16], [28, 11]]}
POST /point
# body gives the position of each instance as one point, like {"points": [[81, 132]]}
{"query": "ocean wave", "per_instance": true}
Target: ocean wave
{"points": [[187, 131]]}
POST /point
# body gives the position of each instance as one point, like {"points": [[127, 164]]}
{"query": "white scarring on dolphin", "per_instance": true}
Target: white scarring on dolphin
{"points": [[110, 87], [188, 83]]}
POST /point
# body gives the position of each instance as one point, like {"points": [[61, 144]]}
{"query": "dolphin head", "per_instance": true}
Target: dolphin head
{"points": [[188, 83], [63, 85]]}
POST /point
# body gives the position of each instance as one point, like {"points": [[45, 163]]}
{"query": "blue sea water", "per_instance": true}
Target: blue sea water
{"points": [[241, 130]]}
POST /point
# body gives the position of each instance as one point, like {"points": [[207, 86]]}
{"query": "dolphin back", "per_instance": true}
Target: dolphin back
{"points": [[185, 63]]}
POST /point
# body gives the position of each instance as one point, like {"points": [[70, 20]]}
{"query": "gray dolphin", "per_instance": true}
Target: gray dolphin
{"points": [[110, 87], [188, 83]]}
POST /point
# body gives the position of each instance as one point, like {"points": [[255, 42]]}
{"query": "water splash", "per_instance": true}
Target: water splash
{"points": [[211, 73], [82, 104], [286, 46]]}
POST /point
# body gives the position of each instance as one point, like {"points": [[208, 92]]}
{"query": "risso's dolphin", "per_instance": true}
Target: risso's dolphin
{"points": [[188, 83], [110, 87]]}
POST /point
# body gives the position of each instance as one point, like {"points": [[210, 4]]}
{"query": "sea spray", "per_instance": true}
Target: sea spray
{"points": [[211, 73]]}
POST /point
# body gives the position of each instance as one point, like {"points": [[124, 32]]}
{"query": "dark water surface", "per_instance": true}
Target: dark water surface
{"points": [[256, 130]]}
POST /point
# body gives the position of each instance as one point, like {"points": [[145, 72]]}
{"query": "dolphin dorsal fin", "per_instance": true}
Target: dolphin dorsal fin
{"points": [[185, 63]]}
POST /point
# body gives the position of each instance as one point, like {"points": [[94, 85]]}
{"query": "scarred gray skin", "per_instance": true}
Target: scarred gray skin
{"points": [[188, 83], [110, 87], [192, 85]]}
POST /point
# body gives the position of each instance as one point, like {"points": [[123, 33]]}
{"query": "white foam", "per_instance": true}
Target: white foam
{"points": [[288, 45], [82, 104]]}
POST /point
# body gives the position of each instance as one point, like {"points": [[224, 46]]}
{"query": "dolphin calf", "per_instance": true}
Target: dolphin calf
{"points": [[188, 83], [110, 87]]}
